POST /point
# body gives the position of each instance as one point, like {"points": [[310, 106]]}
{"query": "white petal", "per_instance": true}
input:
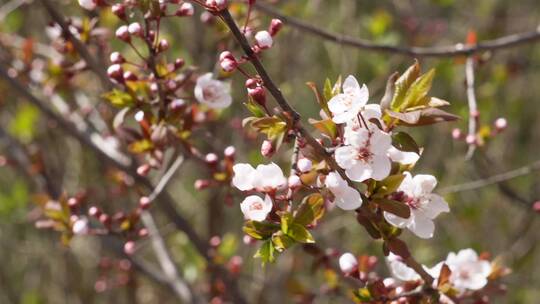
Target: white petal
{"points": [[401, 271], [345, 156], [360, 171], [396, 220], [381, 166], [434, 206], [348, 199], [372, 111], [243, 176], [424, 184], [255, 208], [350, 85], [405, 158], [270, 176], [422, 227], [359, 138], [380, 142], [407, 185], [338, 104]]}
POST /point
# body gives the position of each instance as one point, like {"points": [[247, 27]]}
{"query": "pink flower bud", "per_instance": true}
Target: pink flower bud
{"points": [[251, 83], [304, 165], [144, 202], [235, 264], [470, 139], [501, 124], [227, 61], [207, 18], [179, 63], [258, 94], [94, 211], [275, 27], [105, 219], [129, 247], [294, 182], [217, 4], [456, 133], [177, 104], [119, 10], [143, 170], [475, 114], [122, 33], [536, 206], [139, 116], [348, 263], [80, 226], [201, 184], [88, 4], [130, 76], [135, 29], [215, 241], [267, 149], [229, 152], [163, 45], [211, 158], [264, 40], [115, 72], [143, 232], [116, 57], [186, 9]]}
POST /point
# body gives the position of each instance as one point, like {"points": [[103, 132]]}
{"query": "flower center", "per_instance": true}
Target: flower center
{"points": [[364, 154], [256, 206], [210, 92], [412, 202], [463, 274]]}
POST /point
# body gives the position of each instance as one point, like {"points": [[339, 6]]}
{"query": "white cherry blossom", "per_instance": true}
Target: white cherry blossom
{"points": [[346, 197], [347, 105], [348, 262], [255, 208], [468, 271], [403, 157], [366, 155], [213, 93], [424, 205], [88, 4], [264, 39], [264, 178]]}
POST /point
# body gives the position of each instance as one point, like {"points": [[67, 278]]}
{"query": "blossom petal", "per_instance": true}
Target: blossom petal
{"points": [[269, 176], [400, 270], [422, 227], [359, 172], [381, 166], [396, 220], [424, 184], [345, 156], [243, 176], [407, 185], [380, 142], [435, 206], [350, 85], [402, 157], [348, 199], [255, 208]]}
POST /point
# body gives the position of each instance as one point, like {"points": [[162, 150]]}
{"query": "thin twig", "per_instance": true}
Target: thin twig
{"points": [[473, 107], [494, 179], [79, 46], [439, 51]]}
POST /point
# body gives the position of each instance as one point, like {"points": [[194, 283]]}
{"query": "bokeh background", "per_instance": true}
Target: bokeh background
{"points": [[36, 268]]}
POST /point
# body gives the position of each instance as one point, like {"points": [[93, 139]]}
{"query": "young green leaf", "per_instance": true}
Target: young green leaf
{"points": [[310, 210], [260, 230]]}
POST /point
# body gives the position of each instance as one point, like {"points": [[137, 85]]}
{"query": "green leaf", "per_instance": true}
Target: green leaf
{"points": [[260, 230], [300, 234], [321, 100], [418, 90], [310, 210], [394, 207], [389, 91], [23, 125], [363, 295], [408, 118], [266, 252], [255, 108], [388, 185], [326, 126], [286, 221], [119, 98], [282, 241], [402, 85], [273, 126], [404, 142], [141, 146]]}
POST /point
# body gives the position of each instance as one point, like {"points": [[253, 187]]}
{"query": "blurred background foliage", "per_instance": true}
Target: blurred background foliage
{"points": [[36, 268]]}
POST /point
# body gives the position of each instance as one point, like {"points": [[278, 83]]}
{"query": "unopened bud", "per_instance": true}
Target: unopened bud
{"points": [[116, 72], [456, 133], [130, 76], [201, 184], [185, 10], [267, 149], [122, 33], [475, 114], [211, 158], [143, 232], [179, 63], [80, 226], [251, 83], [264, 40], [348, 263], [94, 211], [88, 4], [105, 219], [304, 165], [470, 139], [177, 104], [235, 264], [144, 202], [163, 45], [294, 181], [129, 248], [229, 152], [275, 27], [143, 170], [116, 57], [227, 61], [501, 124], [536, 206], [135, 29], [258, 94], [119, 10], [217, 4]]}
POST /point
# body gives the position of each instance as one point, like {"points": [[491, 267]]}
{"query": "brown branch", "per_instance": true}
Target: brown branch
{"points": [[79, 46], [166, 202], [439, 51]]}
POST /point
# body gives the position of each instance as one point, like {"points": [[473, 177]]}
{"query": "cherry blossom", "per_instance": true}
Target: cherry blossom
{"points": [[403, 157], [348, 263], [399, 270], [80, 226], [468, 271], [347, 105], [425, 206], [213, 93], [366, 156], [346, 197], [255, 208], [265, 178]]}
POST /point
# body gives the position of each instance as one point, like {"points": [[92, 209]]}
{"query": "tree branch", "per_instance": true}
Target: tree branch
{"points": [[473, 107], [439, 51]]}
